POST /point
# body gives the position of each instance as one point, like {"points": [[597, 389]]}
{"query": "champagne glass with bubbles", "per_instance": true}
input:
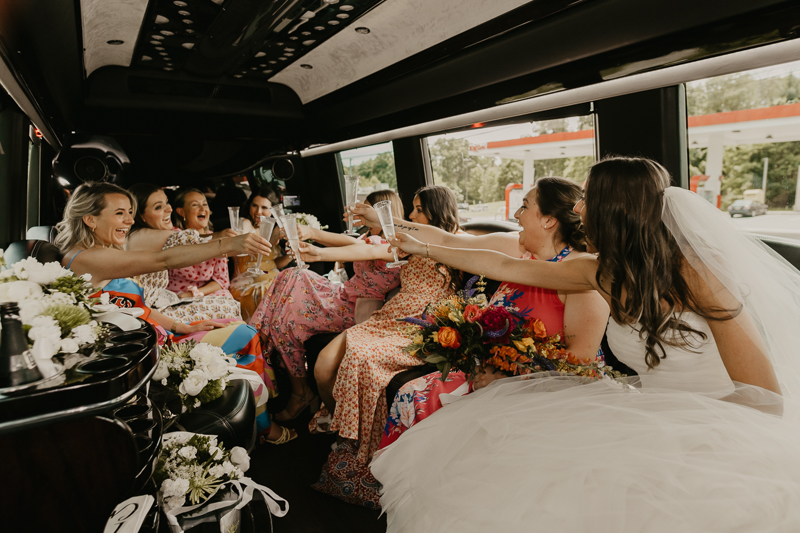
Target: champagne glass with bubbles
{"points": [[233, 213], [351, 197], [290, 228], [277, 213], [265, 227], [384, 211]]}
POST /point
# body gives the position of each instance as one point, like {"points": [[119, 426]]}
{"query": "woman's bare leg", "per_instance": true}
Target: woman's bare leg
{"points": [[327, 367]]}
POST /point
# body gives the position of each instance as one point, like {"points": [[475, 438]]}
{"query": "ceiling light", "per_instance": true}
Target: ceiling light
{"points": [[267, 72], [273, 62], [161, 20], [288, 49], [187, 21], [319, 28], [342, 16], [156, 42], [167, 32], [160, 48], [184, 13], [147, 58], [237, 75], [305, 66], [262, 65], [362, 30], [281, 59], [333, 22], [188, 45], [293, 37], [159, 37], [346, 8], [179, 3], [309, 42], [306, 33], [189, 31], [168, 68], [260, 54]]}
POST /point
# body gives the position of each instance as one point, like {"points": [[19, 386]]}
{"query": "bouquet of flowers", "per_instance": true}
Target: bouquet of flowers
{"points": [[57, 309], [464, 333], [195, 466], [310, 221], [198, 372]]}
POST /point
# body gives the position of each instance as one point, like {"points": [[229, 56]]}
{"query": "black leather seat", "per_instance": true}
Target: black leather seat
{"points": [[232, 417], [788, 248], [42, 251]]}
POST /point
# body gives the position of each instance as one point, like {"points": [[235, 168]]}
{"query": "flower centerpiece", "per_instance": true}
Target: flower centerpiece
{"points": [[198, 372], [57, 309], [464, 333]]}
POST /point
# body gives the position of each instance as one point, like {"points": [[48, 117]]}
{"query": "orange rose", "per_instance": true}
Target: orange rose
{"points": [[449, 338], [472, 313], [536, 327]]}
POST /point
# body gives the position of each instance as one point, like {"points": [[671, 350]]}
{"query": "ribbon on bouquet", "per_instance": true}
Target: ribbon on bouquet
{"points": [[245, 487]]}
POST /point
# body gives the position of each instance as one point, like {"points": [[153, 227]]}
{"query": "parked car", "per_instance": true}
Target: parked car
{"points": [[463, 206], [749, 208], [479, 207]]}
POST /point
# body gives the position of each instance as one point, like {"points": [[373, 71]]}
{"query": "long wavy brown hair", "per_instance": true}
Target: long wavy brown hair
{"points": [[638, 258]]}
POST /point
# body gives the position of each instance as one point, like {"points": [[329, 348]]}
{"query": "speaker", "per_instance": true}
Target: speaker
{"points": [[90, 158], [283, 169]]}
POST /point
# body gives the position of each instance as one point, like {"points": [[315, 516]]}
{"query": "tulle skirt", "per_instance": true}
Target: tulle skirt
{"points": [[560, 454]]}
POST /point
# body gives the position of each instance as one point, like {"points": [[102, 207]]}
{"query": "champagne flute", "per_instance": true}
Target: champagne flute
{"points": [[277, 214], [265, 227], [233, 213], [384, 211], [290, 227], [351, 197]]}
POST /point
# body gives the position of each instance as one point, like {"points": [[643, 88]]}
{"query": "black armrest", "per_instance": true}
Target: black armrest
{"points": [[42, 251]]}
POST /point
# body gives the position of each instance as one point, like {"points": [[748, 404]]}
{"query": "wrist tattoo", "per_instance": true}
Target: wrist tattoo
{"points": [[407, 228]]}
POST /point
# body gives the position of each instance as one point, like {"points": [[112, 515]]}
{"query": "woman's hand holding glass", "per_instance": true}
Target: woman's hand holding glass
{"points": [[363, 215], [290, 229], [265, 226], [249, 243], [309, 253], [408, 244]]}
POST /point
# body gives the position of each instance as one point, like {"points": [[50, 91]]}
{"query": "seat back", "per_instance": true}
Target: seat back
{"points": [[42, 251], [788, 248], [482, 227], [42, 233]]}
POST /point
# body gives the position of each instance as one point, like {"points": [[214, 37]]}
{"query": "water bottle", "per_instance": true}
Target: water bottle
{"points": [[17, 365]]}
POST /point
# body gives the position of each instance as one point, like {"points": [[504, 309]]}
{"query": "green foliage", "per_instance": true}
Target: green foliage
{"points": [[379, 169], [68, 317]]}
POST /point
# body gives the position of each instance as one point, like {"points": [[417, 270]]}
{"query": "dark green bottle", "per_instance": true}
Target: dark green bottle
{"points": [[17, 365]]}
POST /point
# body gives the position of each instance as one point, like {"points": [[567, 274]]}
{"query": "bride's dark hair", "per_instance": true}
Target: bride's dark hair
{"points": [[638, 257]]}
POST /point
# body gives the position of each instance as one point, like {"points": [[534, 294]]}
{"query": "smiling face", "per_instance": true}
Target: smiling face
{"points": [[111, 226], [534, 225], [156, 213], [417, 215], [259, 208], [195, 211]]}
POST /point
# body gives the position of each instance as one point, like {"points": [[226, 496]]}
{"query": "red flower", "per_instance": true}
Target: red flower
{"points": [[472, 313], [495, 318]]}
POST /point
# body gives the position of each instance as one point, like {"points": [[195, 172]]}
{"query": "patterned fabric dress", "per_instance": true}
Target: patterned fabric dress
{"points": [[180, 279], [248, 289], [375, 354], [157, 294], [419, 398], [301, 303]]}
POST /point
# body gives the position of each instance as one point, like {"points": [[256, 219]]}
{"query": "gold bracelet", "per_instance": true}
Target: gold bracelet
{"points": [[175, 325], [427, 250], [224, 254]]}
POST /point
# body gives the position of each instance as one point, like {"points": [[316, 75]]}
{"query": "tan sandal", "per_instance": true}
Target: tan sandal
{"points": [[305, 402], [286, 435]]}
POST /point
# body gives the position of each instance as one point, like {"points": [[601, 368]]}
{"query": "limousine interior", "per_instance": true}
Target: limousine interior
{"points": [[182, 92]]}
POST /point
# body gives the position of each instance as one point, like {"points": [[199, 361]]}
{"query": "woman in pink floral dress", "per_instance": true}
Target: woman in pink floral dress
{"points": [[301, 303], [209, 278], [353, 371]]}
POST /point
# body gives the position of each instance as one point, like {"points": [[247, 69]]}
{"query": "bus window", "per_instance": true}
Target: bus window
{"points": [[374, 164], [491, 168], [744, 146]]}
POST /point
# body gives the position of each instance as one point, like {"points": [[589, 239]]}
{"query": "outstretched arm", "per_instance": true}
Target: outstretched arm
{"points": [[325, 238], [354, 252], [110, 263], [576, 275], [507, 243]]}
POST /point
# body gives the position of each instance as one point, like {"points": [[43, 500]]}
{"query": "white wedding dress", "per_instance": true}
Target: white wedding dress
{"points": [[560, 454]]}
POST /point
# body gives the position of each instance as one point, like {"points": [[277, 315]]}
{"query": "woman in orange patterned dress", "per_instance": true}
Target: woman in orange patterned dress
{"points": [[352, 372]]}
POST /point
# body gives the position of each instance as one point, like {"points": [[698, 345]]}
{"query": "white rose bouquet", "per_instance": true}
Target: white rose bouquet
{"points": [[56, 309], [310, 221], [198, 372], [195, 466]]}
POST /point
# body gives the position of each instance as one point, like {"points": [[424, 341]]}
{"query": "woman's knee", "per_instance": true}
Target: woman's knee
{"points": [[329, 359]]}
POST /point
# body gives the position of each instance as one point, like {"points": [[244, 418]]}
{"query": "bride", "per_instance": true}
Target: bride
{"points": [[707, 438]]}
